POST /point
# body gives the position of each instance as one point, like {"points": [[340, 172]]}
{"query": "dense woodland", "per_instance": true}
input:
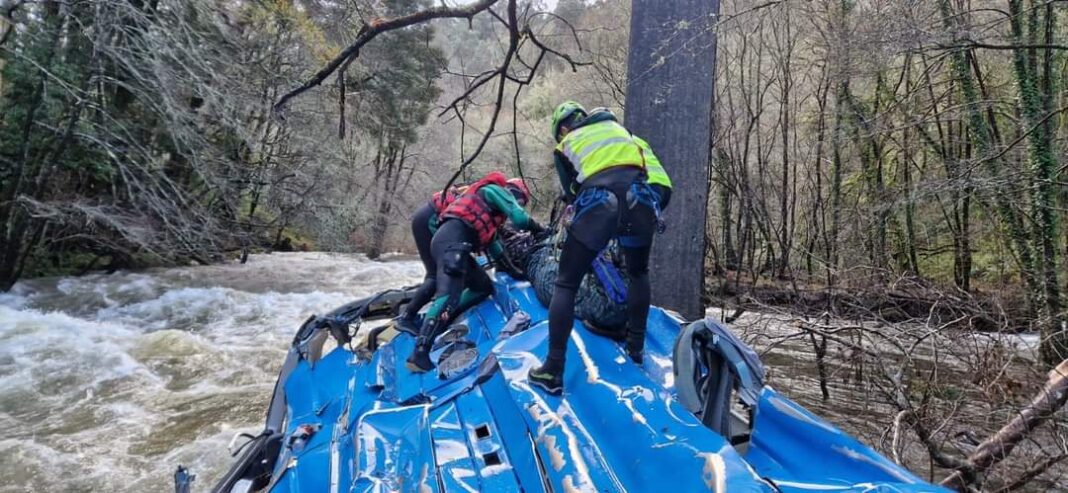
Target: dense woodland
{"points": [[857, 144], [875, 146], [863, 142]]}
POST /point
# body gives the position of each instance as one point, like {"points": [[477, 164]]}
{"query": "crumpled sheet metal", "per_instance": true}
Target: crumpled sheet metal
{"points": [[395, 452], [618, 426], [614, 429]]}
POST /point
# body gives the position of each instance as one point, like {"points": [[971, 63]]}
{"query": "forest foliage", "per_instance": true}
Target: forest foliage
{"points": [[866, 143], [142, 133], [857, 144]]}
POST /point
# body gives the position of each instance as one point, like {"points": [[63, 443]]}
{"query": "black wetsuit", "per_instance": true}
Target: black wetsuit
{"points": [[457, 269], [461, 282], [422, 234], [614, 203]]}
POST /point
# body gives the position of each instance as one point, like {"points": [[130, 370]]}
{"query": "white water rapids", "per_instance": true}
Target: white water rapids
{"points": [[108, 382]]}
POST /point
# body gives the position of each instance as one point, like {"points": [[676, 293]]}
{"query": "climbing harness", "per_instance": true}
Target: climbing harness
{"points": [[641, 193]]}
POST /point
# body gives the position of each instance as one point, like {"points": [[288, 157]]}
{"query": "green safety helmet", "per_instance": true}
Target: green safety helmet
{"points": [[562, 112]]}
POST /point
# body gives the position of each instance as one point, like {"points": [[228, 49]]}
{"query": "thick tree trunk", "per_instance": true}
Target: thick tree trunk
{"points": [[676, 119], [1036, 86]]}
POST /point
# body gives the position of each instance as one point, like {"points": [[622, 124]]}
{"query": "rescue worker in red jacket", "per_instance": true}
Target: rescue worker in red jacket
{"points": [[467, 226], [424, 224]]}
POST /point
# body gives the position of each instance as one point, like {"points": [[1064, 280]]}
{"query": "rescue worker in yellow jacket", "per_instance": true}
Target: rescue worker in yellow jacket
{"points": [[617, 187]]}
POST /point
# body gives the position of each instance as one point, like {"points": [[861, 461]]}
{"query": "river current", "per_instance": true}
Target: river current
{"points": [[108, 382]]}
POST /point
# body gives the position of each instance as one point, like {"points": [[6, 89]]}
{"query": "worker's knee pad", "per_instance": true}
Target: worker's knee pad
{"points": [[455, 261]]}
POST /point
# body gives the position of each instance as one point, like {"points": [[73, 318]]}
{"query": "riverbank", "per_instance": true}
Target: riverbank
{"points": [[908, 388], [904, 300]]}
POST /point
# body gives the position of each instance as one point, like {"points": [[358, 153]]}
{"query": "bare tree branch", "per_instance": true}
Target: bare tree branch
{"points": [[370, 31], [996, 448]]}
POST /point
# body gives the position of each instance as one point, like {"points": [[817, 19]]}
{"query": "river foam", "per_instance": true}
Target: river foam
{"points": [[108, 382]]}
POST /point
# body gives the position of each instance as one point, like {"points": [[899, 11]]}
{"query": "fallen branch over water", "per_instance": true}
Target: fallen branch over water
{"points": [[996, 448]]}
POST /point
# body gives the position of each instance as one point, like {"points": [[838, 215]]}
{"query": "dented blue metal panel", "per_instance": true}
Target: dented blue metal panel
{"points": [[395, 452], [614, 427], [519, 445], [456, 465], [789, 436], [618, 426], [483, 433]]}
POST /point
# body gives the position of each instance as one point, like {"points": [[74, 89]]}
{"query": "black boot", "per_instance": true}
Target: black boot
{"points": [[618, 334], [636, 348], [419, 361], [406, 324], [548, 377]]}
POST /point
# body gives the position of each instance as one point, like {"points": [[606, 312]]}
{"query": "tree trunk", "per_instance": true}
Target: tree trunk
{"points": [[819, 206], [786, 195], [1036, 87], [723, 194], [392, 167], [676, 119], [20, 234], [983, 134], [836, 183], [905, 162]]}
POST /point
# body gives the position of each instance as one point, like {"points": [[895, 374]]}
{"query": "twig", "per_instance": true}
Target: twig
{"points": [[371, 31]]}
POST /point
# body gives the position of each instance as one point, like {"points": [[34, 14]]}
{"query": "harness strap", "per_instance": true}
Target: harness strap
{"points": [[606, 272], [641, 193]]}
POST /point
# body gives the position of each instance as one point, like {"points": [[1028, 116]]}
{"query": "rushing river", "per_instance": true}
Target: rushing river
{"points": [[108, 382]]}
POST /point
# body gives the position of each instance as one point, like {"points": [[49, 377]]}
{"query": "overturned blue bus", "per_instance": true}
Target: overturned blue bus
{"points": [[696, 416]]}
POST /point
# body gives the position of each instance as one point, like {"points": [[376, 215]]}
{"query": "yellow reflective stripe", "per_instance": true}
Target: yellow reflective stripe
{"points": [[657, 176], [655, 172], [582, 140], [602, 144], [581, 146], [573, 157], [581, 174], [609, 157], [596, 131]]}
